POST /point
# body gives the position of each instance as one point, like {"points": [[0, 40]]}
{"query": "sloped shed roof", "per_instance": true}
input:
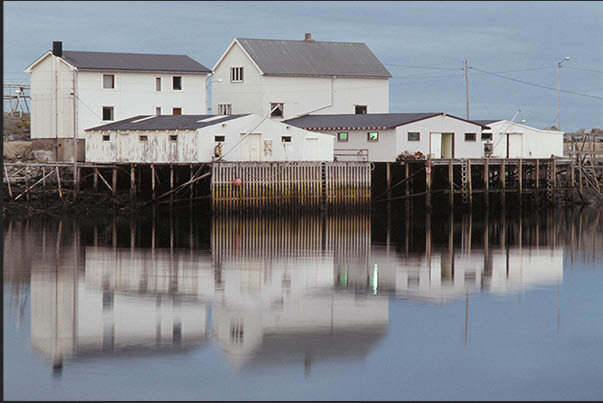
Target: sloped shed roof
{"points": [[313, 58], [363, 121], [133, 62], [165, 122]]}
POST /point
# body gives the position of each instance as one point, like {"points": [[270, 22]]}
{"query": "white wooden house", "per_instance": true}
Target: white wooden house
{"points": [[73, 90], [296, 77], [382, 137], [204, 138], [515, 140]]}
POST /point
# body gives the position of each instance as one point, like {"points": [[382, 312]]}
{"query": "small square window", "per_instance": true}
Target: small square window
{"points": [[158, 110], [470, 136], [158, 84], [278, 110], [414, 136], [108, 81], [486, 136], [219, 139], [173, 137], [236, 74], [177, 82], [373, 136], [106, 137], [224, 109], [360, 109], [107, 113], [176, 111], [342, 136], [286, 139], [143, 138]]}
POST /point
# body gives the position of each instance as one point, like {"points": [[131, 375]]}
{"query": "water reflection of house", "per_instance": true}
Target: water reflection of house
{"points": [[75, 317]]}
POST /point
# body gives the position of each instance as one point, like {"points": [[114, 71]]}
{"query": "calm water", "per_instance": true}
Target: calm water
{"points": [[357, 308]]}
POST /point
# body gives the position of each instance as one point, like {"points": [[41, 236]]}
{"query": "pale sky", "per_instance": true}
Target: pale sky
{"points": [[519, 40]]}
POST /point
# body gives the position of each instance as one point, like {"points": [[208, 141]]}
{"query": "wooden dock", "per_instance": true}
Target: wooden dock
{"points": [[318, 186]]}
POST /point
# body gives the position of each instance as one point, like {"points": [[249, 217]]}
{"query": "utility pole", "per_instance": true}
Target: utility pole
{"points": [[467, 88], [559, 89]]}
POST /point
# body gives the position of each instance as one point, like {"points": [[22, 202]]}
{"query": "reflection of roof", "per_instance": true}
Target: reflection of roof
{"points": [[339, 344], [112, 61], [364, 121], [166, 122], [313, 58]]}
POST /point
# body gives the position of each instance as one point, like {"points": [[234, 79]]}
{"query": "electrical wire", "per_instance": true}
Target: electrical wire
{"points": [[537, 85]]}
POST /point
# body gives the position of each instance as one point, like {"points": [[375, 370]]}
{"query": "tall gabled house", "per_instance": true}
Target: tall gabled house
{"points": [[296, 77], [72, 91]]}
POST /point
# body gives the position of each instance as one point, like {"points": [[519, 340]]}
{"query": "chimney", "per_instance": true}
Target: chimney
{"points": [[57, 48], [308, 37]]}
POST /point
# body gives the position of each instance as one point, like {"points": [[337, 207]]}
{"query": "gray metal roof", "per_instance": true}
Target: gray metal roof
{"points": [[313, 58], [164, 122], [487, 122], [133, 62], [363, 121]]}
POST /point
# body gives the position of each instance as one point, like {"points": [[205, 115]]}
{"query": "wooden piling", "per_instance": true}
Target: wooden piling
{"points": [[469, 184], [153, 194], [428, 184], [10, 192], [95, 179], [132, 183], [486, 182], [388, 180], [451, 182], [171, 183], [59, 181], [114, 181], [520, 176], [502, 179]]}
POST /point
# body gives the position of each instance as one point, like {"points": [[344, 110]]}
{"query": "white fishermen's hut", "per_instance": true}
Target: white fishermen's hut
{"points": [[204, 138], [382, 137], [514, 140]]}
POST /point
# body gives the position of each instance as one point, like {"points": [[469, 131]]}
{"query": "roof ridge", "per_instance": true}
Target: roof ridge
{"points": [[299, 40], [124, 53]]}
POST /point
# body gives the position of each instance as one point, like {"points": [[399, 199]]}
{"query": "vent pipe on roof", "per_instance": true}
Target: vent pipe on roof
{"points": [[57, 48], [308, 37]]}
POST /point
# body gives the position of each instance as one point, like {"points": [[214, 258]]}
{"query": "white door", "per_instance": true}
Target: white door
{"points": [[435, 147], [251, 147], [122, 153], [514, 145]]}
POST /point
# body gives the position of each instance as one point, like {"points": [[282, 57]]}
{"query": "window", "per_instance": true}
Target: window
{"points": [[279, 110], [236, 74], [286, 139], [143, 138], [224, 109], [158, 111], [342, 136], [219, 139], [173, 137], [177, 83], [176, 111], [106, 137], [107, 113], [486, 136], [373, 136], [414, 136], [470, 136], [108, 80], [360, 109], [158, 84]]}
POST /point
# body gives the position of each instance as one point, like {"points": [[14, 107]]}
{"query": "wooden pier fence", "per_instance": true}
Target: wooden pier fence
{"points": [[290, 185]]}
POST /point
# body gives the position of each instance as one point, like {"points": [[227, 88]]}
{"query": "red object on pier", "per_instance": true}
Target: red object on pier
{"points": [[237, 182]]}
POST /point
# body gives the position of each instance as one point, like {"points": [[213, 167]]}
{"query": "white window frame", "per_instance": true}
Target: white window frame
{"points": [[224, 109], [158, 80], [237, 74], [181, 83], [103, 81], [112, 113]]}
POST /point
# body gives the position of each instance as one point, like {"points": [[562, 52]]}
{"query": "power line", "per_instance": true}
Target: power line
{"points": [[422, 67], [537, 85], [577, 68]]}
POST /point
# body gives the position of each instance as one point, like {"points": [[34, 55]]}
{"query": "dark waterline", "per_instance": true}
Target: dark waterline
{"points": [[488, 305]]}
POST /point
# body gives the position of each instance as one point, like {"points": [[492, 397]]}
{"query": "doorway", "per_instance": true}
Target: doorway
{"points": [[447, 145], [251, 147], [514, 149], [435, 145]]}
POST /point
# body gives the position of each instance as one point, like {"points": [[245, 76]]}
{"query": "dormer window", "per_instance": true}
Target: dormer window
{"points": [[236, 74], [108, 80]]}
